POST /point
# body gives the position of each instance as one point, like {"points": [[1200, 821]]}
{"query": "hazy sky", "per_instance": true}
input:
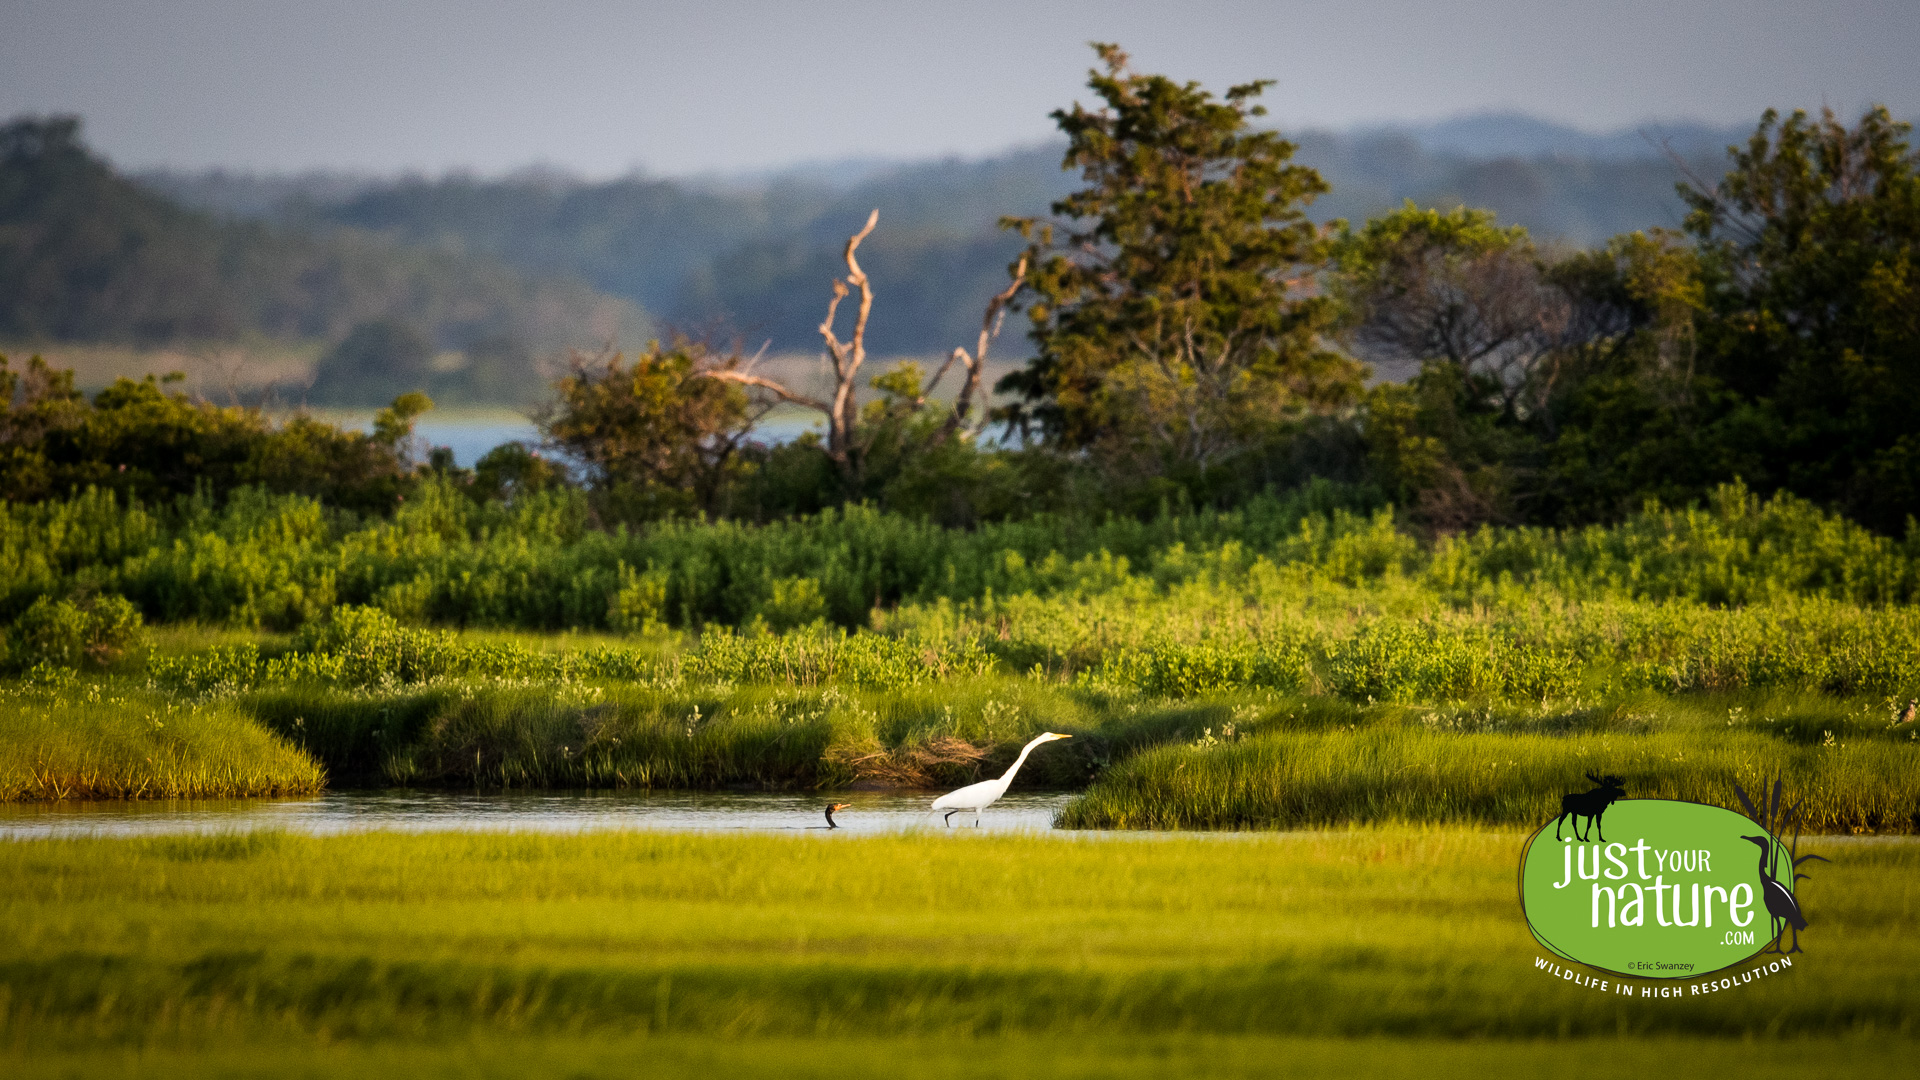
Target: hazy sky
{"points": [[601, 87]]}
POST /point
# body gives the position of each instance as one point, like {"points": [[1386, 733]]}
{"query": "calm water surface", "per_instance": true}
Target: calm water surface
{"points": [[470, 435], [785, 813], [440, 811]]}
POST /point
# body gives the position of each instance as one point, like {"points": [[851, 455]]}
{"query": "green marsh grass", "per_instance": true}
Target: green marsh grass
{"points": [[1478, 765], [1014, 1057], [391, 947], [106, 741], [505, 733], [1225, 616], [1398, 642]]}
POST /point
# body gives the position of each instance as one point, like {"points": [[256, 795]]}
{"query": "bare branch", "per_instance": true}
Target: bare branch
{"points": [[975, 363], [1706, 190], [990, 323], [744, 379], [844, 403], [838, 351], [755, 359], [957, 354]]}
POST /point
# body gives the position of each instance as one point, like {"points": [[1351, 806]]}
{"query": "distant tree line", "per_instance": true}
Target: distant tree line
{"points": [[745, 258], [87, 255]]}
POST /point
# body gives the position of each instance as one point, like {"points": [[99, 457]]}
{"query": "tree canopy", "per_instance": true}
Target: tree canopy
{"points": [[1172, 307], [1811, 249]]}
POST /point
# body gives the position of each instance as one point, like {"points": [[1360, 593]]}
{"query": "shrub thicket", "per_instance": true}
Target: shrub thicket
{"points": [[279, 561]]}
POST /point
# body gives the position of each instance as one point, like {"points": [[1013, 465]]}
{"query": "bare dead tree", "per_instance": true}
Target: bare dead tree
{"points": [[963, 420], [843, 412], [843, 409]]}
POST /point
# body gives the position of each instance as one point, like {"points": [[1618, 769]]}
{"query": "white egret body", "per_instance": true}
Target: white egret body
{"points": [[977, 797]]}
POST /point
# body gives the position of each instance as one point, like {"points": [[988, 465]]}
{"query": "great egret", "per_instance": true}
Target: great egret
{"points": [[977, 797]]}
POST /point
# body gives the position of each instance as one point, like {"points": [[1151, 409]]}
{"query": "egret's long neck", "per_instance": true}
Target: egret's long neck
{"points": [[1006, 778]]}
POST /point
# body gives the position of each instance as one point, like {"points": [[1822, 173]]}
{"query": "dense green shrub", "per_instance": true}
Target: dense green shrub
{"points": [[143, 440], [280, 561], [63, 633]]}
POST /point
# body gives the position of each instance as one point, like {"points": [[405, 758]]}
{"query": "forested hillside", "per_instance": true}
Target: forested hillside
{"points": [[753, 258], [88, 255]]}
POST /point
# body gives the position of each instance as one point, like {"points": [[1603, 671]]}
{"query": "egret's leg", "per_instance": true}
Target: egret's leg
{"points": [[949, 818]]}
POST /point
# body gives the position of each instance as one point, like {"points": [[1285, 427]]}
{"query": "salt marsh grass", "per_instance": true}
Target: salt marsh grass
{"points": [[94, 742], [1300, 779], [862, 648], [1014, 1057], [391, 948]]}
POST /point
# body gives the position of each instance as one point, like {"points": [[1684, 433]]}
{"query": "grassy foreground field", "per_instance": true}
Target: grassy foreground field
{"points": [[1390, 951]]}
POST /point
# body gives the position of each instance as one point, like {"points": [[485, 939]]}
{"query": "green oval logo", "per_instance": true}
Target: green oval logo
{"points": [[1675, 890]]}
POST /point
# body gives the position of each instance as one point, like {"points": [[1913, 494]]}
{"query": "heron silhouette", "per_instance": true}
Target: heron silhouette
{"points": [[1781, 903], [1781, 906]]}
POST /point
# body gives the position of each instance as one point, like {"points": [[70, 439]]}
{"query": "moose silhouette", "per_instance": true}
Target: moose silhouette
{"points": [[1590, 805]]}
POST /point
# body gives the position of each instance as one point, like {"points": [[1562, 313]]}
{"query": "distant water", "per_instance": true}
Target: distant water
{"points": [[558, 812], [470, 438], [470, 435]]}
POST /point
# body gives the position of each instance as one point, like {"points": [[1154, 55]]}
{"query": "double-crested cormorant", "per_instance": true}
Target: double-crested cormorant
{"points": [[831, 807], [977, 797]]}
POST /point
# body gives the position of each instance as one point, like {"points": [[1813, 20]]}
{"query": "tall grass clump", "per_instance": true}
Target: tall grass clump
{"points": [[503, 733], [75, 741], [1388, 773], [589, 737]]}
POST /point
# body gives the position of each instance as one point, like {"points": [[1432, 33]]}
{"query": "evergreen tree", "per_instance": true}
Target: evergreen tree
{"points": [[1172, 308]]}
